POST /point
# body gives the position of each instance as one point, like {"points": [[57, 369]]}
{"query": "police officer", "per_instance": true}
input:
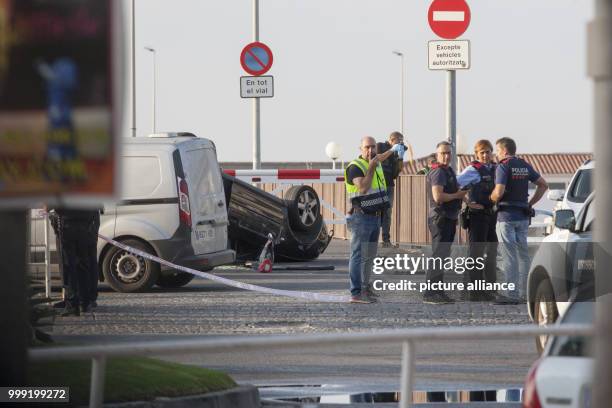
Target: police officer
{"points": [[482, 238], [445, 203], [392, 167], [79, 235], [515, 208], [367, 195]]}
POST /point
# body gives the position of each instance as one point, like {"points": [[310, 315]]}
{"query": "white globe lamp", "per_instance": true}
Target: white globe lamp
{"points": [[332, 150]]}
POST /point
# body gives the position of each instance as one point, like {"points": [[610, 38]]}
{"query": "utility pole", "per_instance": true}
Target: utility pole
{"points": [[451, 114], [133, 68], [256, 107], [599, 66]]}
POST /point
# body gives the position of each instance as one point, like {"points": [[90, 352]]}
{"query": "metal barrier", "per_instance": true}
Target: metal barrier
{"points": [[39, 214], [407, 337]]}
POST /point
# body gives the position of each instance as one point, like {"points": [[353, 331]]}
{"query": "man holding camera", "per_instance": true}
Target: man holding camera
{"points": [[515, 209], [391, 168]]}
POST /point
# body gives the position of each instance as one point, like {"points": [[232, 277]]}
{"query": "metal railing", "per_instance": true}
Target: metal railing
{"points": [[42, 215], [407, 337]]}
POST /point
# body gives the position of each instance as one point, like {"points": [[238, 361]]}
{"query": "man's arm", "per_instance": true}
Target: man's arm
{"points": [[541, 187], [469, 175], [440, 197], [498, 192], [365, 183]]}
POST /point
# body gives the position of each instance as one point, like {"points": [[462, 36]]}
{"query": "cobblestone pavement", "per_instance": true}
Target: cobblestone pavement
{"points": [[204, 307]]}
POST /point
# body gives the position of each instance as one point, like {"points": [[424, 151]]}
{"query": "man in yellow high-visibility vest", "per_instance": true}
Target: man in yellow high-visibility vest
{"points": [[366, 191]]}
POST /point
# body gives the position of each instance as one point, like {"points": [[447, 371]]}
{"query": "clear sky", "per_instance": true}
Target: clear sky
{"points": [[336, 78]]}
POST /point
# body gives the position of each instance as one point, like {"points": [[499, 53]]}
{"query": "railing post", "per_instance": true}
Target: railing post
{"points": [[96, 392], [47, 256], [407, 376]]}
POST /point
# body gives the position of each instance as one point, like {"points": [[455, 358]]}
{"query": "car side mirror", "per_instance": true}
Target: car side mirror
{"points": [[556, 195], [565, 219]]}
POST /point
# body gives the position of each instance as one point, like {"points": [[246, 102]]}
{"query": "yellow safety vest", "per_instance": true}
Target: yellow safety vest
{"points": [[378, 180]]}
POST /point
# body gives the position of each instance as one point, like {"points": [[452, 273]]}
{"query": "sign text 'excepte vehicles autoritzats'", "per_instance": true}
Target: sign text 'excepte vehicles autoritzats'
{"points": [[256, 87], [449, 18], [449, 55], [256, 58]]}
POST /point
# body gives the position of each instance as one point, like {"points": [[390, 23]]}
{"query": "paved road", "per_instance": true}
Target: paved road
{"points": [[204, 308]]}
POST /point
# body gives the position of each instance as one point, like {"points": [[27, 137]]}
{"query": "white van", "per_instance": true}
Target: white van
{"points": [[172, 205]]}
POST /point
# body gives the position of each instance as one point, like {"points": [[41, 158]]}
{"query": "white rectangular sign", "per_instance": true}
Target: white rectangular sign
{"points": [[256, 87], [449, 55]]}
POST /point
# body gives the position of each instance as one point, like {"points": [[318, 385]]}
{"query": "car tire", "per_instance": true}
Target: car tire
{"points": [[126, 272], [304, 208], [545, 311], [174, 279]]}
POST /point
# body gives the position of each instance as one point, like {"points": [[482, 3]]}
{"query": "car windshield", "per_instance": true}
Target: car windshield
{"points": [[575, 346], [581, 187]]}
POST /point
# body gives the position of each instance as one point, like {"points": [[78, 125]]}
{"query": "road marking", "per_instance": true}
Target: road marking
{"points": [[448, 16]]}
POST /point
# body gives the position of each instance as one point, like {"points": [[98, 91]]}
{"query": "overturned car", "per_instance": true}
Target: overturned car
{"points": [[295, 222]]}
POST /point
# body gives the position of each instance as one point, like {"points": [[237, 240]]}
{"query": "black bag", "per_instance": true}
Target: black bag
{"points": [[375, 202]]}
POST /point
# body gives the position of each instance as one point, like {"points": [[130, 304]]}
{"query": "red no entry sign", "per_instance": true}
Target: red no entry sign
{"points": [[449, 18], [256, 58]]}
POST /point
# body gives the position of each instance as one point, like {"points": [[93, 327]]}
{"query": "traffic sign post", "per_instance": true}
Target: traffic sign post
{"points": [[256, 59], [449, 19]]}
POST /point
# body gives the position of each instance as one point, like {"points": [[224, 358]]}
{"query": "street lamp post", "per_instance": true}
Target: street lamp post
{"points": [[401, 55], [133, 68], [152, 50]]}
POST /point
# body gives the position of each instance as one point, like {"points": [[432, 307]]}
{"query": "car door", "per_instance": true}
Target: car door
{"points": [[206, 197], [581, 272]]}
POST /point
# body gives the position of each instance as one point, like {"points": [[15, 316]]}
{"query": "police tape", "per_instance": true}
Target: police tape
{"points": [[320, 297]]}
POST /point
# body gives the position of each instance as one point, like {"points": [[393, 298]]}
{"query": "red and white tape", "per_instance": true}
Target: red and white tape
{"points": [[288, 176], [318, 297]]}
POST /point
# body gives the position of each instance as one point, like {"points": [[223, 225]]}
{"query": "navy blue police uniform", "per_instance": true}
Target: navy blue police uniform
{"points": [[442, 220], [515, 174], [482, 237]]}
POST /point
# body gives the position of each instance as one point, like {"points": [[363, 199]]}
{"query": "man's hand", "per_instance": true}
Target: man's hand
{"points": [[375, 160], [399, 149], [460, 194]]}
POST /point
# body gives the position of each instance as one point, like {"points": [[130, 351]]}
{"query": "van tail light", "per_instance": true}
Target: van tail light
{"points": [[530, 394], [184, 210]]}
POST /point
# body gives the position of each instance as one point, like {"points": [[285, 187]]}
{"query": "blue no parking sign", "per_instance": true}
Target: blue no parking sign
{"points": [[256, 58]]}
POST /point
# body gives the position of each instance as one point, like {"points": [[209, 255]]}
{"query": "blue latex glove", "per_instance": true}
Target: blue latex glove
{"points": [[399, 149]]}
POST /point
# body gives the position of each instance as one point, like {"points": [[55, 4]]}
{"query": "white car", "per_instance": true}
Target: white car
{"points": [[562, 269], [562, 377], [172, 205], [578, 190]]}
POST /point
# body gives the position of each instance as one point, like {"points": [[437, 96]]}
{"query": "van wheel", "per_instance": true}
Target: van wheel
{"points": [[174, 279], [304, 207], [545, 311], [127, 272]]}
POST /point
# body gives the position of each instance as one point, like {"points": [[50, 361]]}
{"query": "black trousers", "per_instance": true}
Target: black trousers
{"points": [[483, 242], [79, 259], [442, 236]]}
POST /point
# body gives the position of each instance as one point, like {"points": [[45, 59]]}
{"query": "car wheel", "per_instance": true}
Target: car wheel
{"points": [[545, 311], [174, 279], [304, 207], [127, 272]]}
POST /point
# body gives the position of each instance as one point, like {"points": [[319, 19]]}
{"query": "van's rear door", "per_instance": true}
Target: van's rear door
{"points": [[206, 197]]}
